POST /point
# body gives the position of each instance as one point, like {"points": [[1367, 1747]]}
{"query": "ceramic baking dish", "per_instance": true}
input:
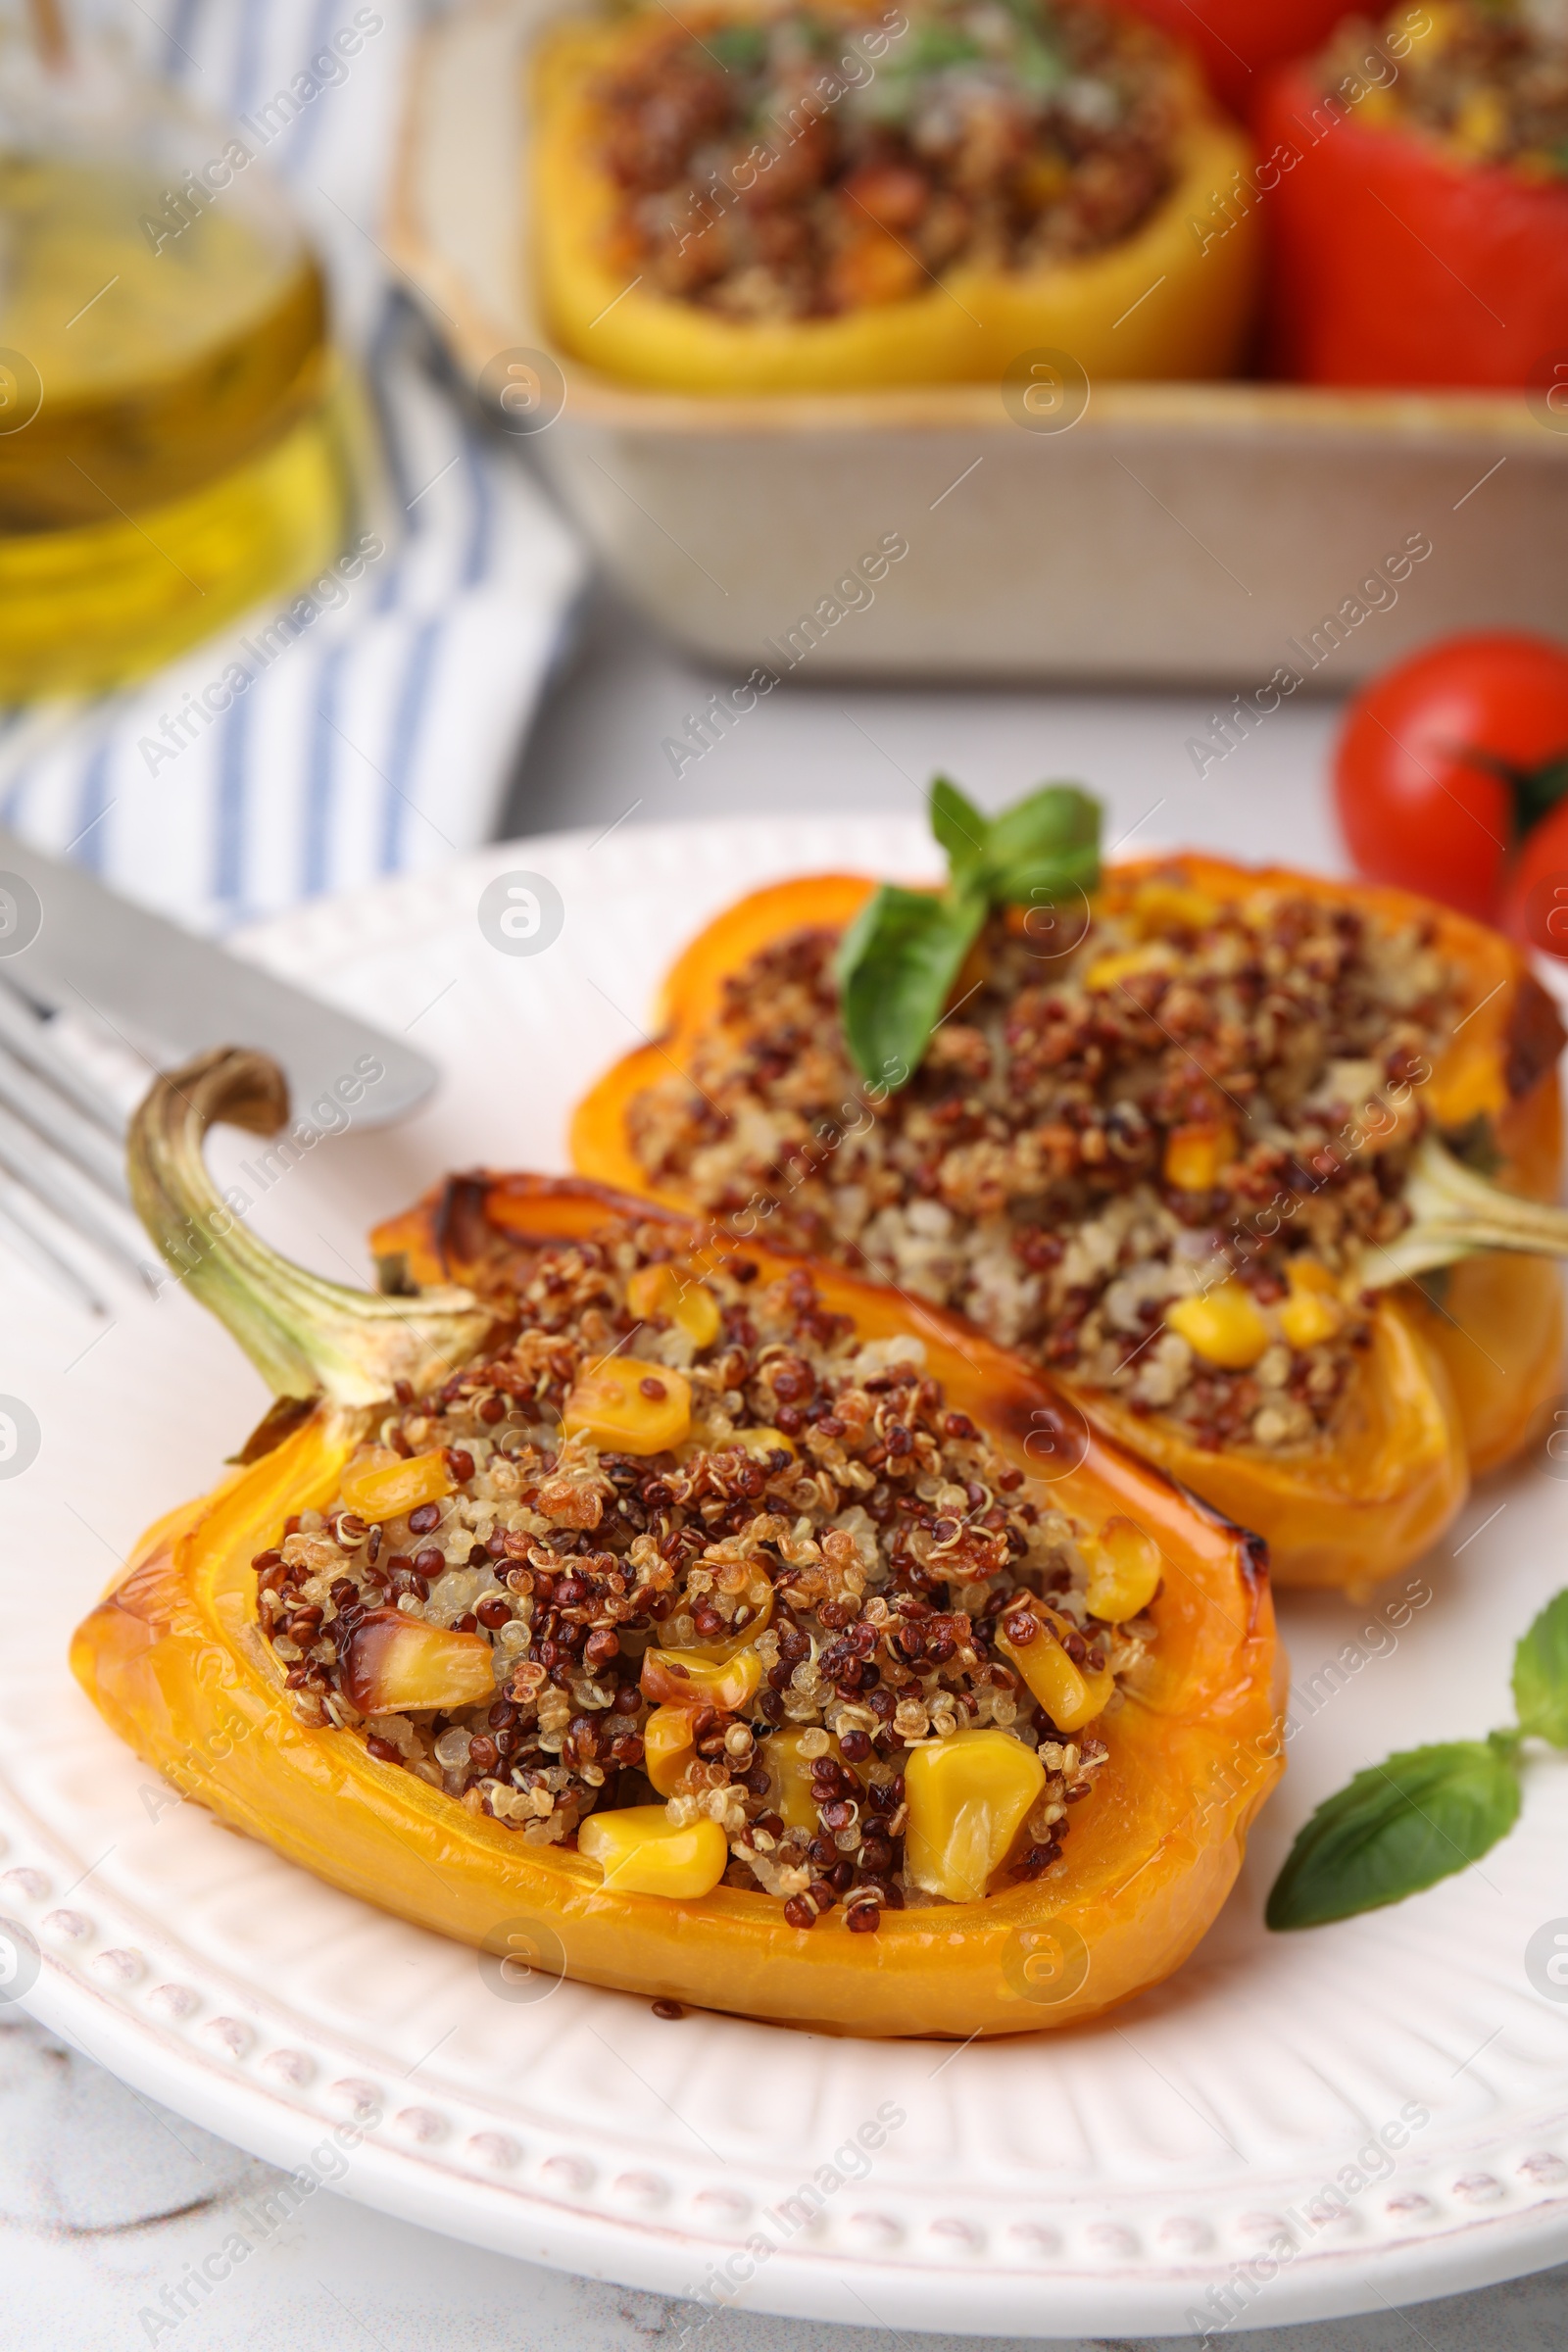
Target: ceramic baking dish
{"points": [[1208, 534]]}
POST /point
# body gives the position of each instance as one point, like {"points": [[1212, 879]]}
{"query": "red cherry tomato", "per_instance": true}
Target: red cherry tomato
{"points": [[1417, 786], [1538, 900], [1238, 38]]}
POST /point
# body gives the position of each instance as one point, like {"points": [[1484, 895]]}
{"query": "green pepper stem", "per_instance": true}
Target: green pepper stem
{"points": [[307, 1337], [1455, 1213]]}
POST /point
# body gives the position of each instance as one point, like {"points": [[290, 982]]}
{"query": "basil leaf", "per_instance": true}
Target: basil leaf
{"points": [[1045, 846], [961, 829], [1540, 1675], [898, 962], [738, 48], [937, 46], [1396, 1829], [1537, 790]]}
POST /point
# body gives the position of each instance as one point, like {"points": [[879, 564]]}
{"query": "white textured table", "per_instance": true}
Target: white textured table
{"points": [[109, 2205]]}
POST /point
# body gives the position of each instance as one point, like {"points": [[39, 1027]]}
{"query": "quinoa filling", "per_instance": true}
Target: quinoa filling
{"points": [[1485, 80], [804, 162], [1154, 1160], [834, 1557]]}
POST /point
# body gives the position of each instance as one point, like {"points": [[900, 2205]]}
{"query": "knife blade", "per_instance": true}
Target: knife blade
{"points": [[75, 946]]}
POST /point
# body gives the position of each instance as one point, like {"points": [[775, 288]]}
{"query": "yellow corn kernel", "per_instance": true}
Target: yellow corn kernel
{"points": [[1312, 1312], [628, 1406], [1161, 907], [388, 1488], [685, 1678], [1070, 1695], [668, 1746], [759, 1442], [790, 1773], [1109, 971], [763, 1441], [1125, 1566], [641, 1852], [1224, 1326], [1431, 38], [679, 1297], [1195, 1154], [968, 1797], [390, 1662], [1482, 123]]}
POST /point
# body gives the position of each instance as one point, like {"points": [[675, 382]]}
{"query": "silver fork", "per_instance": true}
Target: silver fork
{"points": [[79, 967], [62, 1159]]}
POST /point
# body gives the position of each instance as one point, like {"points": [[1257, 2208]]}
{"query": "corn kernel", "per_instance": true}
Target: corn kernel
{"points": [[1125, 1566], [684, 1678], [668, 1746], [1071, 1695], [790, 1773], [1161, 907], [763, 1441], [630, 1406], [968, 1797], [1433, 36], [1224, 1326], [391, 1661], [1480, 125], [1312, 1312], [641, 1852], [679, 1297], [1109, 971], [391, 1488], [1195, 1154]]}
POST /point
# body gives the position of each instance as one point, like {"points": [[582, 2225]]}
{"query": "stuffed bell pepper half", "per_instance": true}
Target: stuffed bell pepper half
{"points": [[695, 1610], [1418, 201], [805, 199], [1246, 1159]]}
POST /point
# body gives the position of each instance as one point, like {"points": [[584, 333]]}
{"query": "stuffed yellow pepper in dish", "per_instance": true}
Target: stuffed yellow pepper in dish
{"points": [[805, 199]]}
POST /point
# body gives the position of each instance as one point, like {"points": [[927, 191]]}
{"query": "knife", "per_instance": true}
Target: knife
{"points": [[74, 947]]}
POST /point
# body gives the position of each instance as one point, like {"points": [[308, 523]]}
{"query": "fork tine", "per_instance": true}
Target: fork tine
{"points": [[69, 1195], [29, 1035], [27, 1242], [58, 1120]]}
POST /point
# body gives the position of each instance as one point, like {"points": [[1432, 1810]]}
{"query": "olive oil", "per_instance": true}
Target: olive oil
{"points": [[170, 438]]}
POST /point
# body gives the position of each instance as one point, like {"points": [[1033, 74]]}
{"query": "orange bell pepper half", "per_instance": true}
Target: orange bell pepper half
{"points": [[1442, 1394], [173, 1658]]}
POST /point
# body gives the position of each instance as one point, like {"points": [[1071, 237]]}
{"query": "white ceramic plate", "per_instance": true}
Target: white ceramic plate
{"points": [[1219, 2137]]}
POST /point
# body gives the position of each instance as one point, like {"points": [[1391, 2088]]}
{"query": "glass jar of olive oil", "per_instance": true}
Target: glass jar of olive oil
{"points": [[170, 430]]}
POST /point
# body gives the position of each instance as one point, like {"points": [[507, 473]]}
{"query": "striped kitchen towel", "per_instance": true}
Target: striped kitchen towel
{"points": [[380, 720]]}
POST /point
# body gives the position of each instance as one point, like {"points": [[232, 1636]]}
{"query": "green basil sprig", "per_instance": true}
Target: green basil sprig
{"points": [[902, 954], [1428, 1811]]}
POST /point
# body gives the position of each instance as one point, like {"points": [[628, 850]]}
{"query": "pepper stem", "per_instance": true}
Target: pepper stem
{"points": [[1455, 1213], [307, 1337]]}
